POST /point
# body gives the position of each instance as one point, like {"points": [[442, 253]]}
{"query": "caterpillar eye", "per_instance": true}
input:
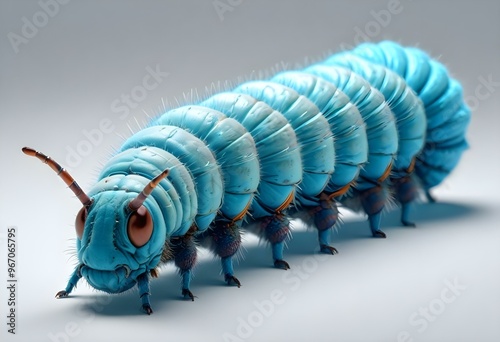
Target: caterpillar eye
{"points": [[140, 227], [80, 222]]}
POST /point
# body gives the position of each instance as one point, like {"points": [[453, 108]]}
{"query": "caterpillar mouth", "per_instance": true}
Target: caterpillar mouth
{"points": [[115, 281]]}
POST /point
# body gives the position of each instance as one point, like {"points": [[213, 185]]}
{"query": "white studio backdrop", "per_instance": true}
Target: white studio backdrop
{"points": [[74, 76]]}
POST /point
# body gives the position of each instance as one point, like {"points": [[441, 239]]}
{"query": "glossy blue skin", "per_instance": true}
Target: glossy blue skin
{"points": [[344, 120], [232, 146], [178, 190], [236, 153], [447, 114], [197, 158], [408, 112], [317, 150], [406, 107], [379, 120], [279, 157], [105, 246], [306, 134], [351, 144], [277, 148], [97, 249]]}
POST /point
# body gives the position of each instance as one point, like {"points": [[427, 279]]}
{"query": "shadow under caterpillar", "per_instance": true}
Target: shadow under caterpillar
{"points": [[363, 127]]}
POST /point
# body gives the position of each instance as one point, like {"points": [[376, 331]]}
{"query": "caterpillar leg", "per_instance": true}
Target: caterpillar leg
{"points": [[325, 216], [374, 220], [373, 201], [75, 277], [143, 285], [184, 252], [226, 241], [406, 192], [429, 196], [276, 228], [227, 269], [406, 209]]}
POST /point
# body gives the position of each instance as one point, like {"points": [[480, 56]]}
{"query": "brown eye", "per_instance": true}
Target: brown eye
{"points": [[80, 222], [140, 227]]}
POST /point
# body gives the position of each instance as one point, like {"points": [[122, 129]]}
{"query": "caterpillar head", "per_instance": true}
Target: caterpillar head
{"points": [[120, 233]]}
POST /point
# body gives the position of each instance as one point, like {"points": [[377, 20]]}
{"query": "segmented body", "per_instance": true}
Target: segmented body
{"points": [[353, 127]]}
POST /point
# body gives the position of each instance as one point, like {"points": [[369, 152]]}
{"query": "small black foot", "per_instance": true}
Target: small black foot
{"points": [[62, 294], [232, 280], [281, 264], [408, 224], [147, 309], [429, 197], [188, 294], [328, 249], [379, 234]]}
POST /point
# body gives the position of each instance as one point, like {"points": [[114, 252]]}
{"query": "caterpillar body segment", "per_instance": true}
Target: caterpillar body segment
{"points": [[351, 150], [382, 137], [313, 134], [406, 107], [311, 128], [344, 121], [233, 148], [410, 119], [197, 158], [442, 96], [178, 195], [351, 129], [280, 162], [276, 144], [378, 119], [236, 153]]}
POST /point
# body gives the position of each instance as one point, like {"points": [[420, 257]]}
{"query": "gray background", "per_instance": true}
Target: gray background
{"points": [[65, 79]]}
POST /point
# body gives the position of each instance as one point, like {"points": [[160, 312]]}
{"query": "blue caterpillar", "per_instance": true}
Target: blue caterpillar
{"points": [[379, 123]]}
